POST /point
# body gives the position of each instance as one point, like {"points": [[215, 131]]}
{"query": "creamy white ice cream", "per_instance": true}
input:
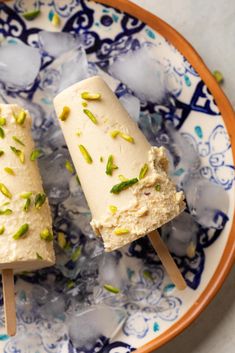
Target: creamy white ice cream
{"points": [[102, 139], [20, 175]]}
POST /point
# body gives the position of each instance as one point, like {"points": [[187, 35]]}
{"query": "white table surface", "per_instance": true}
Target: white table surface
{"points": [[209, 25]]}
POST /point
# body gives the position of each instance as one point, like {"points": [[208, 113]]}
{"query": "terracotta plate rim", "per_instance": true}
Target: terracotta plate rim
{"points": [[228, 115]]}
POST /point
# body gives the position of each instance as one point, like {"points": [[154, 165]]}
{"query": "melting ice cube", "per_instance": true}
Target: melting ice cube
{"points": [[57, 43], [132, 105]]}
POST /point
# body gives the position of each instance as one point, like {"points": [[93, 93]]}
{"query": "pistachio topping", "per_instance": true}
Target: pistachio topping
{"points": [[114, 133], [112, 209], [2, 133], [124, 136], [2, 230], [1, 153], [39, 200], [18, 153], [20, 118], [84, 104], [61, 239], [6, 212], [90, 115], [148, 275], [26, 195], [31, 15], [21, 231], [27, 205], [78, 180], [110, 166], [91, 96], [116, 189], [38, 256], [76, 254], [70, 284], [78, 133], [2, 121], [101, 159], [16, 139], [143, 171], [158, 187], [35, 154], [85, 154], [111, 289], [121, 231], [46, 234], [64, 114], [69, 167], [4, 190], [9, 171]]}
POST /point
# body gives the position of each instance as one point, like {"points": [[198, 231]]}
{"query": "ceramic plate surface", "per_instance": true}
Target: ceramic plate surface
{"points": [[197, 113]]}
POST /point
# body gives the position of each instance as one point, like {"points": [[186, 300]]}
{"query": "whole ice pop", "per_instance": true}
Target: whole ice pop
{"points": [[25, 219], [123, 177]]}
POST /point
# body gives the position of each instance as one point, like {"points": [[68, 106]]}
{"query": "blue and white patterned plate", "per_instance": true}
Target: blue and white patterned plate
{"points": [[110, 32]]}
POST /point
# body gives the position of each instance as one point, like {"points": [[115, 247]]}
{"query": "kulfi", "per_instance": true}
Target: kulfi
{"points": [[123, 177], [25, 220]]}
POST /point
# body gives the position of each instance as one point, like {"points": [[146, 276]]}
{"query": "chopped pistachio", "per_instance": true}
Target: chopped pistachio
{"points": [[9, 171], [27, 205], [4, 190], [112, 209], [55, 20], [121, 231], [39, 200], [126, 137], [116, 189], [1, 153], [101, 159], [61, 239], [2, 121], [39, 257], [5, 204], [110, 166], [6, 212], [143, 171], [111, 289], [26, 195], [84, 104], [2, 230], [35, 154], [31, 15], [90, 116], [46, 234], [76, 254], [19, 154], [20, 118], [64, 114], [69, 167], [158, 187], [147, 274], [91, 96], [16, 139], [2, 133], [85, 154], [114, 133], [218, 76], [122, 178], [78, 133], [78, 180], [21, 231]]}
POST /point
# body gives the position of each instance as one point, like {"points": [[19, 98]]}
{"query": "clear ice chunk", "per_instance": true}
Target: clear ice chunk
{"points": [[57, 43], [19, 64], [132, 105]]}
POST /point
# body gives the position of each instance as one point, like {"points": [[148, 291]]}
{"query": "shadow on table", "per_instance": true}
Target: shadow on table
{"points": [[212, 329]]}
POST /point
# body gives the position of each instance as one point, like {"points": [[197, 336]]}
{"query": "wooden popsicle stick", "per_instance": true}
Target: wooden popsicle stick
{"points": [[9, 301], [167, 260]]}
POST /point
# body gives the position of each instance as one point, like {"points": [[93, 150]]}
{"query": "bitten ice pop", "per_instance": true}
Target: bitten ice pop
{"points": [[25, 219], [124, 178]]}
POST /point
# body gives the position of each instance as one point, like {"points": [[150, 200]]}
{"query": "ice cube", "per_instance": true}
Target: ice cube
{"points": [[54, 307], [86, 327], [181, 234], [112, 271], [57, 43], [142, 73], [132, 105], [205, 200], [19, 64]]}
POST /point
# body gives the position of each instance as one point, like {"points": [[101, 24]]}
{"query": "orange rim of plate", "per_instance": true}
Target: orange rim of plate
{"points": [[228, 115]]}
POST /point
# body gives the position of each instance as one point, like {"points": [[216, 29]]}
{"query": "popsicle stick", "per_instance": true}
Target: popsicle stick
{"points": [[9, 301], [167, 260]]}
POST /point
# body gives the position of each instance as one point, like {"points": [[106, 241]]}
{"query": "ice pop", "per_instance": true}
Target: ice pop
{"points": [[123, 177], [25, 219]]}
